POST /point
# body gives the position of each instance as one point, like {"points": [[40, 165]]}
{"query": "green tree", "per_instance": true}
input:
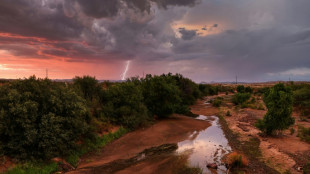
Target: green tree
{"points": [[124, 105], [207, 89], [302, 99], [88, 87], [279, 102], [240, 89], [189, 89], [40, 119], [161, 95], [248, 89], [241, 98]]}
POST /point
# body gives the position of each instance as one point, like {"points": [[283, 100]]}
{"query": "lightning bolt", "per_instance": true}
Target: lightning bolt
{"points": [[126, 70]]}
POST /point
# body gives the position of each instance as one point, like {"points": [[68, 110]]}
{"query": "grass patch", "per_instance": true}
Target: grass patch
{"points": [[306, 168], [89, 146], [304, 133], [34, 169], [236, 160], [217, 102]]}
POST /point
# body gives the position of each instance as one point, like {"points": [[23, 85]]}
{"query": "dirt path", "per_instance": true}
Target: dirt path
{"points": [[172, 130]]}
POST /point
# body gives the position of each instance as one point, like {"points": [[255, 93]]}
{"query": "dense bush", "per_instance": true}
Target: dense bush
{"points": [[161, 95], [87, 86], [217, 102], [240, 89], [189, 89], [241, 98], [124, 105], [302, 98], [40, 119], [236, 160], [207, 89], [279, 102], [304, 133], [261, 91], [248, 89], [222, 88]]}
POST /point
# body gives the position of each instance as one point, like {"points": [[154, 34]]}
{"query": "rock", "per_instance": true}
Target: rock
{"points": [[212, 165], [299, 168]]}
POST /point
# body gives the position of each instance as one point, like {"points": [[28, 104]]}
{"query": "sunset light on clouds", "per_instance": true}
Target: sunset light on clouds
{"points": [[206, 40]]}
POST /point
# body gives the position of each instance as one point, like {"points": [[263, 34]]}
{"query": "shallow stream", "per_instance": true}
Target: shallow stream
{"points": [[207, 146]]}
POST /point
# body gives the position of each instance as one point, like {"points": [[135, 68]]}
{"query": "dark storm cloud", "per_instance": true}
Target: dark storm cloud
{"points": [[30, 18], [166, 3], [187, 34], [110, 8], [251, 53], [99, 8], [249, 38], [123, 27]]}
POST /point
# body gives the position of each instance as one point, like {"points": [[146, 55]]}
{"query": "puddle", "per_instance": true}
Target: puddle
{"points": [[207, 146]]}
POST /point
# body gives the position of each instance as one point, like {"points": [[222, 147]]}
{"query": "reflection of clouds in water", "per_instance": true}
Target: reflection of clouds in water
{"points": [[206, 145]]}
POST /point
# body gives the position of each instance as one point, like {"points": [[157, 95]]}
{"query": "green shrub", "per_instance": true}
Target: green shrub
{"points": [[252, 100], [302, 118], [34, 169], [228, 113], [217, 102], [124, 105], [304, 134], [244, 105], [292, 131], [240, 89], [261, 107], [248, 89], [241, 98], [40, 119], [306, 168], [161, 95], [189, 89], [207, 89], [302, 99], [87, 86], [261, 91], [279, 101]]}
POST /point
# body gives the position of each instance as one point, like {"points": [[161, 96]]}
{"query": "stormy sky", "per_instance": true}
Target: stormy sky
{"points": [[206, 40]]}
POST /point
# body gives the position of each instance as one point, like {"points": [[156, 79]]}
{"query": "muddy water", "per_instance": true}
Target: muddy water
{"points": [[207, 146]]}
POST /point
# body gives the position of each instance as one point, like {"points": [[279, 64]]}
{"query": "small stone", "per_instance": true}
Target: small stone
{"points": [[212, 165], [299, 168]]}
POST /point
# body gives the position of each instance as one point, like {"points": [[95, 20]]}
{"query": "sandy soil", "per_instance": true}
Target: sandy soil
{"points": [[172, 130]]}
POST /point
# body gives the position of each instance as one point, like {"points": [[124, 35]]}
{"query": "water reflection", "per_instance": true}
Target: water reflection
{"points": [[207, 146]]}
